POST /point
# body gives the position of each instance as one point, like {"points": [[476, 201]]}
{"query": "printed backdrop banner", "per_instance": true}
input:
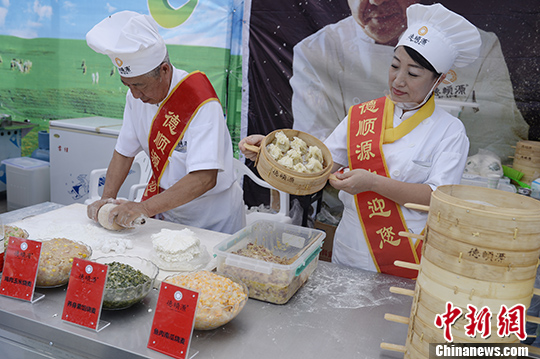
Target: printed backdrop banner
{"points": [[306, 63], [47, 71]]}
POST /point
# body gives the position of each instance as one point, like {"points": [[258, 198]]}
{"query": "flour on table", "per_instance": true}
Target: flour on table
{"points": [[95, 236], [178, 250]]}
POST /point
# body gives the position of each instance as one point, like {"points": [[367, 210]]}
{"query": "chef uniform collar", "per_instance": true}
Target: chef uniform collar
{"points": [[443, 37], [131, 40]]}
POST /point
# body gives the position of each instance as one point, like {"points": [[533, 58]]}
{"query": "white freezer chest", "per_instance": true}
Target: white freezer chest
{"points": [[78, 146]]}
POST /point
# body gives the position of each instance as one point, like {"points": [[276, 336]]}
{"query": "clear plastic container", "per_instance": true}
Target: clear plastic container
{"points": [[27, 182], [535, 188], [267, 281], [474, 180]]}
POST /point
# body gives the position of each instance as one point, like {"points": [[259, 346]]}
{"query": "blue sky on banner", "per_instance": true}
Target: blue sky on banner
{"points": [[208, 25]]}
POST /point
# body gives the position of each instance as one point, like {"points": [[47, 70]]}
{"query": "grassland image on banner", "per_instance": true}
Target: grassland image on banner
{"points": [[48, 72]]}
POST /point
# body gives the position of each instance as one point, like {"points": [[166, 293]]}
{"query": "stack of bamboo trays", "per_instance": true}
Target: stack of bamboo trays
{"points": [[481, 247], [527, 160]]}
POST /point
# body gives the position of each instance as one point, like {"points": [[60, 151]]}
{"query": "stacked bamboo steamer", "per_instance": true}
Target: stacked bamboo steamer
{"points": [[481, 248], [527, 160], [285, 179]]}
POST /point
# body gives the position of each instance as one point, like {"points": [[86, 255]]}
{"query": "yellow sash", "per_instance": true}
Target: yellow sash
{"points": [[391, 134], [381, 218], [171, 121]]}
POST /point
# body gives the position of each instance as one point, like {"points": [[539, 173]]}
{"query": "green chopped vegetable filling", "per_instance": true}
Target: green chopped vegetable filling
{"points": [[123, 275]]}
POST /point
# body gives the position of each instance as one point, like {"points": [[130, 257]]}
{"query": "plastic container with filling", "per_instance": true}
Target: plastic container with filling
{"points": [[267, 281]]}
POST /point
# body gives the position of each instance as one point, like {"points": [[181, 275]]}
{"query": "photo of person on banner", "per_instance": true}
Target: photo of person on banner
{"points": [[398, 148], [177, 120], [343, 64]]}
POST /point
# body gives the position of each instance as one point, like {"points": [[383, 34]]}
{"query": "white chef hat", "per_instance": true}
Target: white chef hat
{"points": [[131, 40], [443, 37]]}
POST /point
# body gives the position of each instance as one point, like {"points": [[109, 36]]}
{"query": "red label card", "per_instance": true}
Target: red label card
{"points": [[20, 268], [84, 295], [2, 239], [173, 321]]}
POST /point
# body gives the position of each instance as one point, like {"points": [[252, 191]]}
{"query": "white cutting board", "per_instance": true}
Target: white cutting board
{"points": [[72, 223]]}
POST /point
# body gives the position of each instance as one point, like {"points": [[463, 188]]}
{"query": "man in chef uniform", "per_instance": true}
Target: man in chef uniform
{"points": [[345, 63], [177, 119]]}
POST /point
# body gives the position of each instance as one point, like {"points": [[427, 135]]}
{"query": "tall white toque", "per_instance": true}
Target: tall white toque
{"points": [[443, 37], [131, 40]]}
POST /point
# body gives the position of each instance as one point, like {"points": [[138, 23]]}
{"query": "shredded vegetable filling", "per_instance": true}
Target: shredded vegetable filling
{"points": [[125, 286], [261, 252]]}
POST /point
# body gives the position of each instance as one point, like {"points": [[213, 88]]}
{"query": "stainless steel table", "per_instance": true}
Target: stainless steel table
{"points": [[338, 313]]}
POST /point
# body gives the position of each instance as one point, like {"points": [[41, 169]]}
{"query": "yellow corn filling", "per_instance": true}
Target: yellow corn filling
{"points": [[220, 298]]}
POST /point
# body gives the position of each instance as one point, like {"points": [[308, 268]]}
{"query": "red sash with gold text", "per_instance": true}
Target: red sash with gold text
{"points": [[171, 121], [381, 218]]}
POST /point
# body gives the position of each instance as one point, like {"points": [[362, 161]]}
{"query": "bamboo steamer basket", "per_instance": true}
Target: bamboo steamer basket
{"points": [[527, 160], [285, 179], [482, 263], [528, 148], [481, 247]]}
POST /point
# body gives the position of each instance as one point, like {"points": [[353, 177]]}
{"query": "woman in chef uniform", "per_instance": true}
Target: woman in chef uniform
{"points": [[399, 148]]}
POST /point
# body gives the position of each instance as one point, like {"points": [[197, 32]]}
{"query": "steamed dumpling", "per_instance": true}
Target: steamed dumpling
{"points": [[313, 165], [274, 151], [286, 161], [282, 141], [300, 167], [299, 144], [315, 152], [295, 155]]}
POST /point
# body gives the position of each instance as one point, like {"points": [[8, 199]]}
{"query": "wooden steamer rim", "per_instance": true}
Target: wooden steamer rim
{"points": [[528, 147], [480, 253], [464, 217], [526, 159], [285, 179], [508, 221], [506, 272], [461, 196], [474, 289]]}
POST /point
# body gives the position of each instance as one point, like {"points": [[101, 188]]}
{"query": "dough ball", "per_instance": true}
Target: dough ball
{"points": [[103, 217]]}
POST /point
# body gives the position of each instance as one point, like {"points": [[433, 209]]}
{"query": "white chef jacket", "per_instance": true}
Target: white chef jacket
{"points": [[434, 153], [340, 66], [206, 145]]}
